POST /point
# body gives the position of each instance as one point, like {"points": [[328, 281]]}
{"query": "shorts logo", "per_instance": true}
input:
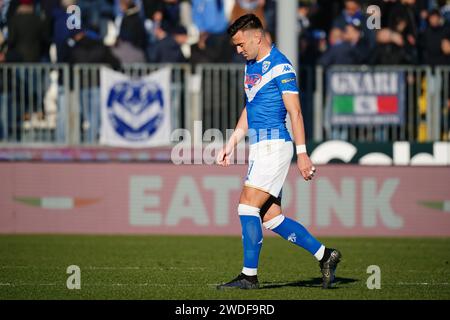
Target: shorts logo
{"points": [[265, 66], [252, 80], [135, 109]]}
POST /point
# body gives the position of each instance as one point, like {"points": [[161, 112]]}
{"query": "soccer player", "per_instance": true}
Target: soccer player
{"points": [[271, 92]]}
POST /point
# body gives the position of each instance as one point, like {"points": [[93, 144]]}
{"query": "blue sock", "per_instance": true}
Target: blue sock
{"points": [[251, 237], [294, 232]]}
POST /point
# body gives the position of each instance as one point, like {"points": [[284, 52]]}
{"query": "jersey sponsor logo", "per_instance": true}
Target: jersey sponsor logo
{"points": [[265, 66], [252, 79], [287, 80]]}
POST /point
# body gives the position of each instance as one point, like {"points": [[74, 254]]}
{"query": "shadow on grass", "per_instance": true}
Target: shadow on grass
{"points": [[314, 282]]}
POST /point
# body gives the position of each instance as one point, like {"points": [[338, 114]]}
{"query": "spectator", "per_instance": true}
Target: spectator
{"points": [[150, 7], [170, 14], [153, 22], [95, 14], [127, 53], [445, 46], [386, 7], [60, 31], [47, 6], [166, 13], [28, 39], [348, 47], [432, 39], [335, 37], [4, 5], [303, 22], [352, 12], [165, 16], [168, 48], [392, 45], [132, 27], [10, 8], [444, 8], [209, 16], [269, 15], [4, 8], [200, 52], [404, 10], [85, 49]]}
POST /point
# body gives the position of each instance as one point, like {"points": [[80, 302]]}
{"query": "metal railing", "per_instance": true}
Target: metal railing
{"points": [[222, 95], [32, 99], [440, 98], [59, 105]]}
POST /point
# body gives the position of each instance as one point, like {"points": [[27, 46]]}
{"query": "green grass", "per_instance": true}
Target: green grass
{"points": [[189, 267]]}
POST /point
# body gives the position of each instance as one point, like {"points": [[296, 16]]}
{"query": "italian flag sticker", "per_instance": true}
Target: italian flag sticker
{"points": [[55, 202], [437, 205], [343, 104]]}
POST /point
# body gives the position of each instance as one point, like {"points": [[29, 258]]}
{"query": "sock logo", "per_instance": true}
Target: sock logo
{"points": [[292, 237]]}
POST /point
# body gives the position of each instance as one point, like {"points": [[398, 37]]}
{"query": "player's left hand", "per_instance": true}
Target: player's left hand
{"points": [[305, 166]]}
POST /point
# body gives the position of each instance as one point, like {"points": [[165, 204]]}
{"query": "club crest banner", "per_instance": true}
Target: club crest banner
{"points": [[135, 113]]}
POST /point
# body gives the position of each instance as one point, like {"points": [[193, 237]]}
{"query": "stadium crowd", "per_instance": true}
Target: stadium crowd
{"points": [[121, 31]]}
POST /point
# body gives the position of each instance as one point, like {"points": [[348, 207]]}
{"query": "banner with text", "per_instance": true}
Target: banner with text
{"points": [[356, 98], [114, 198]]}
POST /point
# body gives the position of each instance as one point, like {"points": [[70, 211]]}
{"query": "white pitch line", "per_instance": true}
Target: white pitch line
{"points": [[147, 284], [29, 284], [112, 268], [423, 284], [8, 284], [139, 285]]}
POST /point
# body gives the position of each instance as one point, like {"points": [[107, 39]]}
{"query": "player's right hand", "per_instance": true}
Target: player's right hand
{"points": [[305, 166], [224, 157]]}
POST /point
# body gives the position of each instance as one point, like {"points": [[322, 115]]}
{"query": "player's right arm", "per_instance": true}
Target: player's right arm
{"points": [[224, 156]]}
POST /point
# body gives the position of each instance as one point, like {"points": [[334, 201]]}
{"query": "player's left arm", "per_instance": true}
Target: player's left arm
{"points": [[292, 104]]}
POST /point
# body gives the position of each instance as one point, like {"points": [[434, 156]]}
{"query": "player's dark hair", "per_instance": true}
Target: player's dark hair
{"points": [[245, 22]]}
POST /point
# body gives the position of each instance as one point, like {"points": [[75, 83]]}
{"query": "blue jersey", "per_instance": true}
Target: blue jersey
{"points": [[266, 80]]}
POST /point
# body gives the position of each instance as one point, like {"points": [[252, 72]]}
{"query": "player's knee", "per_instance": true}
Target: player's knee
{"points": [[247, 199], [253, 197], [273, 222]]}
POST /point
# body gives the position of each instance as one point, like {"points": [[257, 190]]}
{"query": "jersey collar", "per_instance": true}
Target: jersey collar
{"points": [[265, 57]]}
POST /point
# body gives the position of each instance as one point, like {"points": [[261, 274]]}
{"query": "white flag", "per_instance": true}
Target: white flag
{"points": [[365, 105], [135, 113]]}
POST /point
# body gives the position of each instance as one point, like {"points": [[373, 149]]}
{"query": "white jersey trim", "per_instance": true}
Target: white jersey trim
{"points": [[276, 71]]}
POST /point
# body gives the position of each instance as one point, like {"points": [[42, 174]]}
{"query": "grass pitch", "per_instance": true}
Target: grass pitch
{"points": [[190, 267]]}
